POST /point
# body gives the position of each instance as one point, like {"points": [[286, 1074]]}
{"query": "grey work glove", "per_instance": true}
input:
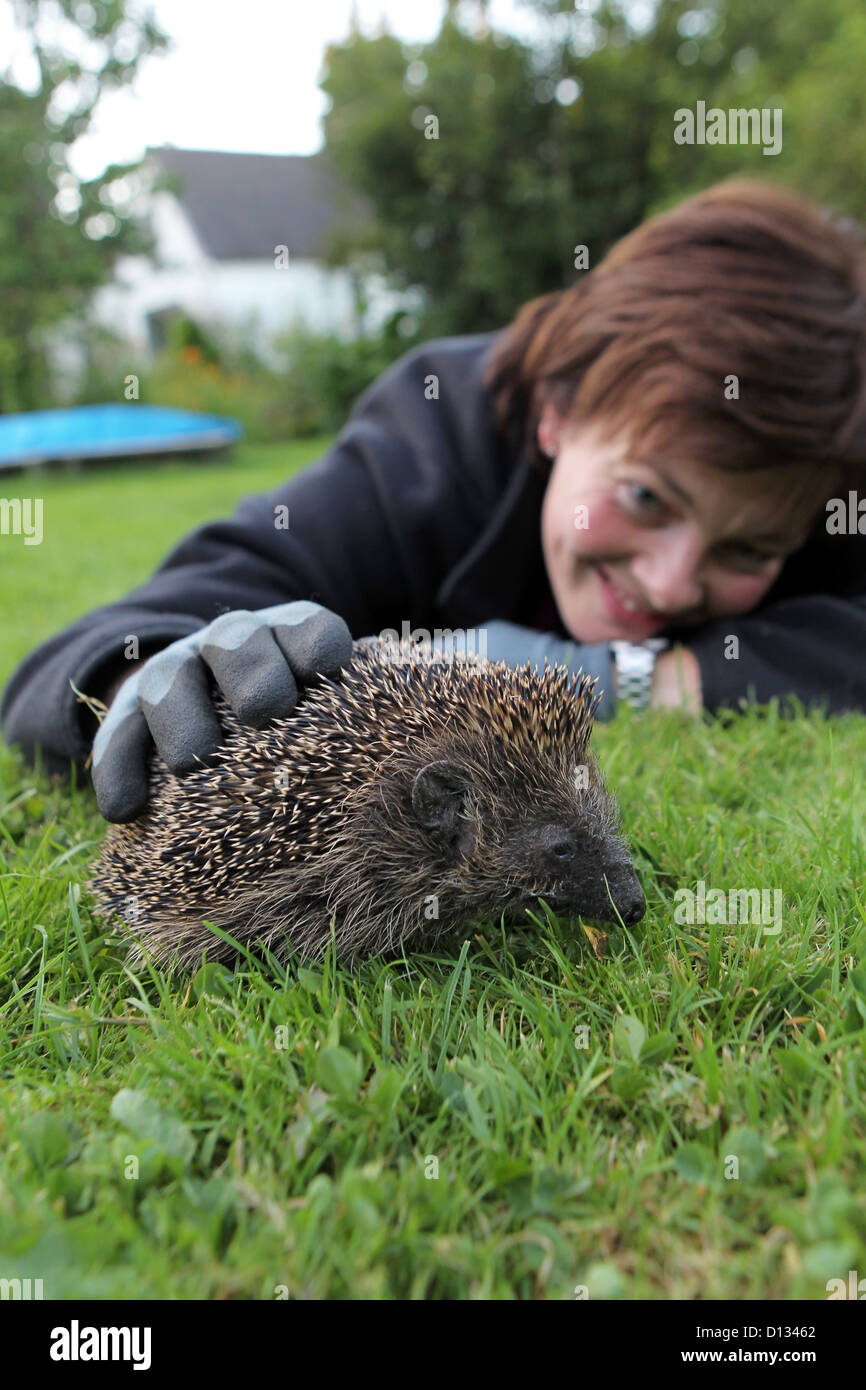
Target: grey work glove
{"points": [[516, 645], [258, 659]]}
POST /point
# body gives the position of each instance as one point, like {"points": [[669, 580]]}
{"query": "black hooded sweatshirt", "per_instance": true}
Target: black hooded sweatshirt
{"points": [[422, 511]]}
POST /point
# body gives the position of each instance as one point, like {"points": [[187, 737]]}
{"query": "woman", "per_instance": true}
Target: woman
{"points": [[646, 455]]}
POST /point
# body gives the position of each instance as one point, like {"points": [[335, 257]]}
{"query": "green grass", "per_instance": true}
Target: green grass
{"points": [[429, 1127]]}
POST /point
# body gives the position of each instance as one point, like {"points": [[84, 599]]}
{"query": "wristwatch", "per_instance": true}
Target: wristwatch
{"points": [[634, 663]]}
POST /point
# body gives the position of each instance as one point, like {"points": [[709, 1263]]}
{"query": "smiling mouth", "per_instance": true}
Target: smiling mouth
{"points": [[627, 602], [645, 616], [624, 609]]}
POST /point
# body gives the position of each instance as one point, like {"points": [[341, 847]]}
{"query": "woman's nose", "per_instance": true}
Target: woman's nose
{"points": [[669, 571]]}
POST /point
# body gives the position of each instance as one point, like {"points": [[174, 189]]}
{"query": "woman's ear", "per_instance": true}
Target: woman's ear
{"points": [[550, 427]]}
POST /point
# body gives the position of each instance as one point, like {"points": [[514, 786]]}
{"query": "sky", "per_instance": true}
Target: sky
{"points": [[267, 54]]}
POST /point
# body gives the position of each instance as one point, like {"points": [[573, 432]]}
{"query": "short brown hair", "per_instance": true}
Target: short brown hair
{"points": [[746, 279]]}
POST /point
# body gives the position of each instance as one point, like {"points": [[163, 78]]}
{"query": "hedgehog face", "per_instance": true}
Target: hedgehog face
{"points": [[567, 849], [580, 867], [562, 843]]}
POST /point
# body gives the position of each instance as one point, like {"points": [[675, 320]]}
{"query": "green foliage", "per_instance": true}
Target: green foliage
{"points": [[312, 393], [325, 374], [488, 214], [59, 235], [485, 215], [185, 332]]}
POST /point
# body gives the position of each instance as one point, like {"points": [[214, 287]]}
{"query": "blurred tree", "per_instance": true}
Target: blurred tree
{"points": [[59, 234], [487, 159], [483, 169], [804, 57]]}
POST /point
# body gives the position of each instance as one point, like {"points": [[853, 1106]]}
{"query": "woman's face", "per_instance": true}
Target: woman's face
{"points": [[680, 541]]}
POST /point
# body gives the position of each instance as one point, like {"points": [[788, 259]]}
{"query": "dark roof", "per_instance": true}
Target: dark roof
{"points": [[243, 205]]}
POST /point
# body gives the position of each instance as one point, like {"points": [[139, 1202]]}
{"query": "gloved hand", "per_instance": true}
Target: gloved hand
{"points": [[258, 659], [516, 645]]}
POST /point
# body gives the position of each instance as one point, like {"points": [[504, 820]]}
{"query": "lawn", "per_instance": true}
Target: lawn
{"points": [[511, 1118]]}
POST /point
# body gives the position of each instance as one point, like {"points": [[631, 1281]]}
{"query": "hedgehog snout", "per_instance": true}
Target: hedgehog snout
{"points": [[626, 897], [604, 885], [585, 875]]}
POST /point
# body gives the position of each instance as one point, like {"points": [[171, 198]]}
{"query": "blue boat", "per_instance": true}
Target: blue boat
{"points": [[88, 432]]}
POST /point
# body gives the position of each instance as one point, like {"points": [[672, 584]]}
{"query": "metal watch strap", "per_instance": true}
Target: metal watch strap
{"points": [[635, 664]]}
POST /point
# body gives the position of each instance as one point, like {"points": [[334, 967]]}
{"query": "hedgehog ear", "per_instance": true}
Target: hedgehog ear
{"points": [[438, 794]]}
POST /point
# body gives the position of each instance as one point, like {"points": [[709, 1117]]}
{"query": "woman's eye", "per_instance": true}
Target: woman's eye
{"points": [[746, 557], [641, 498]]}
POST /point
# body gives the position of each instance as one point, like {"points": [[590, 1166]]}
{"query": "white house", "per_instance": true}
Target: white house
{"points": [[240, 248]]}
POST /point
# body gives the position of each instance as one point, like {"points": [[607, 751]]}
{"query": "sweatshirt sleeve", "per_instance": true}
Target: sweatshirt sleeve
{"points": [[812, 646], [367, 530]]}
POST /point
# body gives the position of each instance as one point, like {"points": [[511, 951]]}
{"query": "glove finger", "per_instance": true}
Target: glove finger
{"points": [[120, 769], [249, 668], [175, 697], [314, 640]]}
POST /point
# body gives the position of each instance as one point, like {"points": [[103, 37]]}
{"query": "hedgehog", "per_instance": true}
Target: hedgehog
{"points": [[409, 797]]}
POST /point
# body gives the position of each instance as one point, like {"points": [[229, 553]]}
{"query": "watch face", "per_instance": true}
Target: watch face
{"points": [[634, 663], [634, 658], [640, 651]]}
